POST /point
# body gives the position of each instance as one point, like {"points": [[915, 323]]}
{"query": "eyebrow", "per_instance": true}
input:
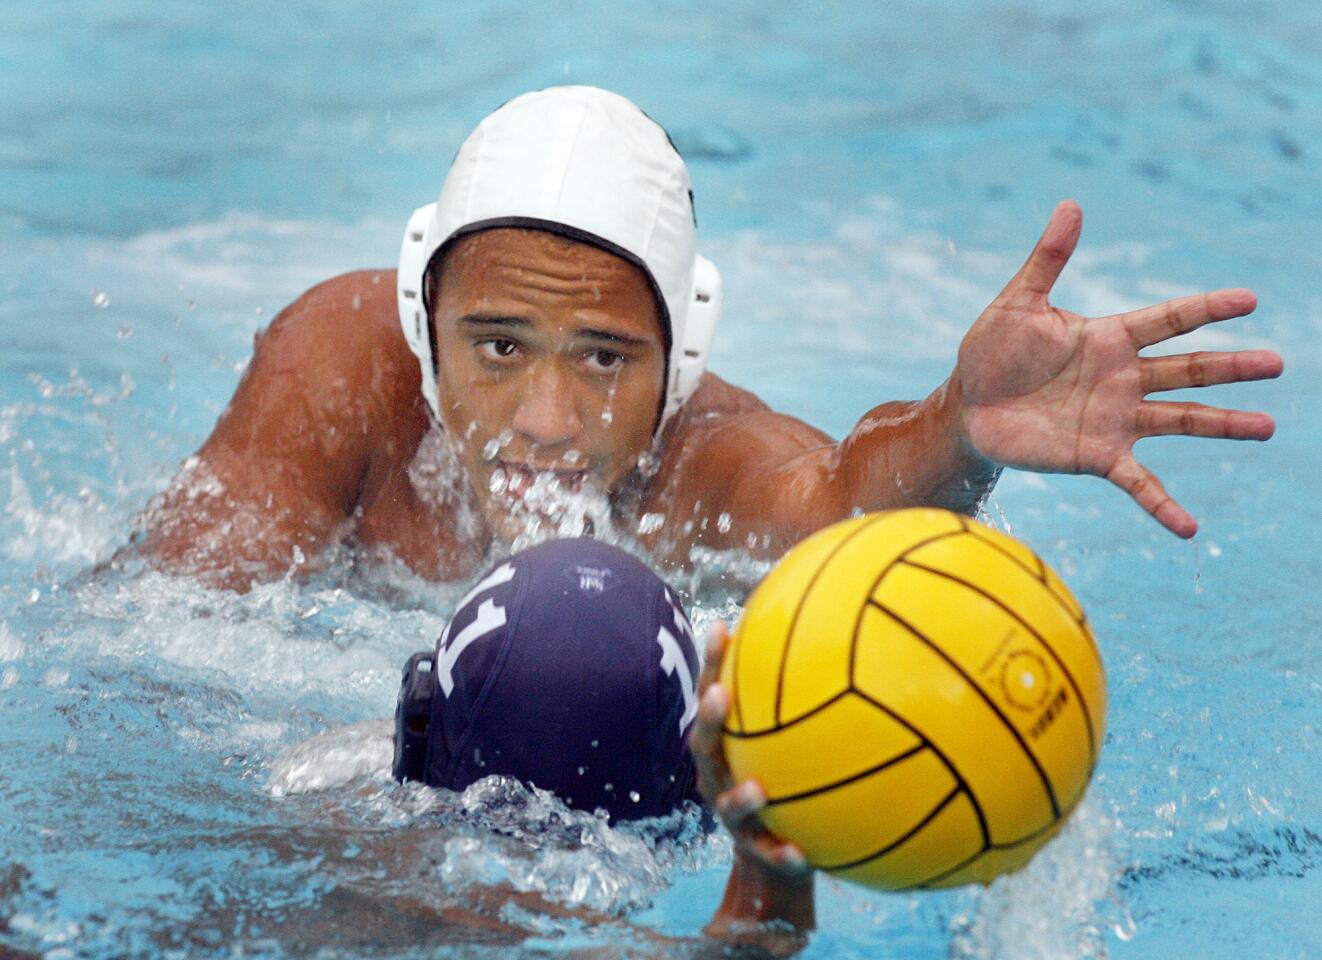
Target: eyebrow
{"points": [[591, 333]]}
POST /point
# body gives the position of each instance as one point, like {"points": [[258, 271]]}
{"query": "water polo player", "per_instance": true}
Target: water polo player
{"points": [[570, 666], [545, 342]]}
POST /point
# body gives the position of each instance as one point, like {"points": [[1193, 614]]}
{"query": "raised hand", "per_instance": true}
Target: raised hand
{"points": [[1047, 390], [770, 880]]}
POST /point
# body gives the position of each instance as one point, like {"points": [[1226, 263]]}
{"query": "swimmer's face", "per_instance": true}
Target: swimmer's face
{"points": [[551, 361]]}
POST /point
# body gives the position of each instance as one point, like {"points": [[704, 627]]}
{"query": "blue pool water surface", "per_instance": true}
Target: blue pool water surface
{"points": [[194, 773]]}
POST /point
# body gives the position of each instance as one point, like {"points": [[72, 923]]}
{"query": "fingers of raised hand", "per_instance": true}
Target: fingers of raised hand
{"points": [[1204, 369], [784, 859], [738, 806], [1163, 419], [718, 638], [1053, 250], [714, 777], [1141, 484], [738, 809], [1174, 317]]}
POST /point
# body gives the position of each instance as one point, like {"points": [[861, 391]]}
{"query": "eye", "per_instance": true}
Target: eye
{"points": [[497, 349], [604, 361]]}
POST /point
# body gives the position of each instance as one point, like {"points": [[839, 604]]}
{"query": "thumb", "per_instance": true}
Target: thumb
{"points": [[1038, 274]]}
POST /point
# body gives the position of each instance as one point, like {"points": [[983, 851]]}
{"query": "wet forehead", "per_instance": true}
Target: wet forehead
{"points": [[502, 268]]}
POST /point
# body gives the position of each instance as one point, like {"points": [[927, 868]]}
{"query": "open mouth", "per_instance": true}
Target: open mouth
{"points": [[517, 480]]}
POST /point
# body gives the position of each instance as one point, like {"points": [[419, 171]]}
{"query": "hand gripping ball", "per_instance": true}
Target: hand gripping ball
{"points": [[921, 697]]}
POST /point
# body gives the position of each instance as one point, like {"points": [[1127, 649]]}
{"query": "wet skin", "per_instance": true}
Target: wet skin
{"points": [[542, 337], [552, 360]]}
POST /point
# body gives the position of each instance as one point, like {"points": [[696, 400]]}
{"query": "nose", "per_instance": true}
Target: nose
{"points": [[547, 414]]}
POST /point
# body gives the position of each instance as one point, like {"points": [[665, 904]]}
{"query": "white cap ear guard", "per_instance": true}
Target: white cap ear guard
{"points": [[589, 164]]}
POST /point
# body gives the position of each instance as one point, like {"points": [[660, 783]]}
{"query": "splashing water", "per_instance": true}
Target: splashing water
{"points": [[147, 717], [1048, 910]]}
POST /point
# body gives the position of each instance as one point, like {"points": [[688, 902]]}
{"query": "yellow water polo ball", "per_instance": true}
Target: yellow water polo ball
{"points": [[921, 697]]}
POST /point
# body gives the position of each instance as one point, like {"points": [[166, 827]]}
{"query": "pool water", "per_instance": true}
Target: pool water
{"points": [[195, 773]]}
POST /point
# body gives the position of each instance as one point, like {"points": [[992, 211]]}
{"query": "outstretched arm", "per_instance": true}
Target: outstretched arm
{"points": [[1035, 387]]}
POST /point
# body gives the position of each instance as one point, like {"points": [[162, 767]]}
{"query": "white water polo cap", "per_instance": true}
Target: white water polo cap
{"points": [[586, 164]]}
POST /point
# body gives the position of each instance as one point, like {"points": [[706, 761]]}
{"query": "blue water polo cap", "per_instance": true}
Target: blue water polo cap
{"points": [[570, 666]]}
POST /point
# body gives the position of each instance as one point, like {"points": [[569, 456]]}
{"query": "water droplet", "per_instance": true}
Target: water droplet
{"points": [[9, 679], [609, 788], [100, 298], [34, 596], [651, 522], [582, 770], [594, 743], [634, 796], [259, 311], [357, 302], [123, 332], [608, 416], [299, 558], [723, 523], [498, 482], [490, 450], [571, 457], [71, 744]]}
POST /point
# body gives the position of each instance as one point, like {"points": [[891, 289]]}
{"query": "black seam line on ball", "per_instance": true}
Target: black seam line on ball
{"points": [[803, 599], [950, 764], [898, 841], [1042, 774], [803, 795], [1069, 676], [1039, 574], [951, 871], [1028, 838], [768, 731], [876, 584]]}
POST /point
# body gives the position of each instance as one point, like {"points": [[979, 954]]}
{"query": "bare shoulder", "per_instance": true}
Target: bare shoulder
{"points": [[720, 415], [330, 394], [329, 404], [718, 397], [348, 323], [333, 362], [723, 437]]}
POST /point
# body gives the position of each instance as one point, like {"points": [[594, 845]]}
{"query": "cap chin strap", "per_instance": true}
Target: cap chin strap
{"points": [[688, 352]]}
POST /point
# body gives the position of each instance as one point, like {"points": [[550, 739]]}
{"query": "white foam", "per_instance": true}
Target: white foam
{"points": [[1056, 908], [281, 638], [11, 647], [333, 759], [63, 529]]}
